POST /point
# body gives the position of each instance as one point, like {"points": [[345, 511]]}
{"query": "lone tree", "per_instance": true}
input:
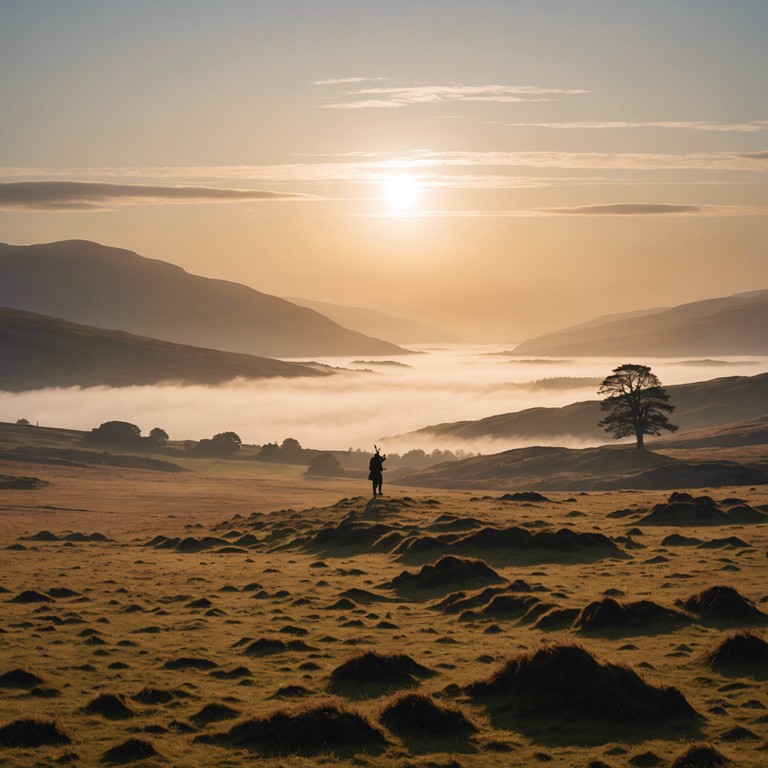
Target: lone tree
{"points": [[636, 403]]}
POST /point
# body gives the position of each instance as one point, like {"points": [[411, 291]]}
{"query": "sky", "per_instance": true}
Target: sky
{"points": [[498, 169]]}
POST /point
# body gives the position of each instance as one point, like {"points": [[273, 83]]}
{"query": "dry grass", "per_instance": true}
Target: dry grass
{"points": [[174, 636]]}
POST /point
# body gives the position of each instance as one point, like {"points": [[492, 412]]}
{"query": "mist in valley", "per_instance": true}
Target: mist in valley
{"points": [[366, 401]]}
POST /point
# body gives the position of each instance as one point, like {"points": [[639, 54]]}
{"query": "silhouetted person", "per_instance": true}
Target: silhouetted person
{"points": [[376, 473]]}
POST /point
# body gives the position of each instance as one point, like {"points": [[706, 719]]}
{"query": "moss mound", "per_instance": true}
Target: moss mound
{"points": [[321, 729], [608, 614], [214, 713], [154, 696], [32, 732], [700, 756], [375, 669], [419, 716], [19, 678], [684, 509], [743, 652], [31, 596], [109, 705], [567, 680], [447, 572], [187, 662], [129, 751], [722, 604]]}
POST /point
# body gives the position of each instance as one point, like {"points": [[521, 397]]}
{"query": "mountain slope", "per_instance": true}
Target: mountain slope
{"points": [[108, 287], [733, 325], [697, 405], [397, 330], [39, 351]]}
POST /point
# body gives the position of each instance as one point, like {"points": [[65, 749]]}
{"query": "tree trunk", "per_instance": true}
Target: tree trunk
{"points": [[640, 445]]}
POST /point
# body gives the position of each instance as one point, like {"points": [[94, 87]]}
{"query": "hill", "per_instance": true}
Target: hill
{"points": [[106, 287], [733, 325], [569, 469], [40, 351], [697, 405], [371, 322]]}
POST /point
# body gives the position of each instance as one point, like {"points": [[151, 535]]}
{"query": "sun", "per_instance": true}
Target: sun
{"points": [[402, 193]]}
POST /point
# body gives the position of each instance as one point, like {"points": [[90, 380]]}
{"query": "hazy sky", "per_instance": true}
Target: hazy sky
{"points": [[497, 168]]}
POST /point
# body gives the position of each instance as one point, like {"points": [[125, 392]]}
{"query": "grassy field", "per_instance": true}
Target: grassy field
{"points": [[215, 598]]}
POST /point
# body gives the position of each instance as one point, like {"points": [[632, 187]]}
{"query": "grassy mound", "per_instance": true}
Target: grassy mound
{"points": [[741, 652], [19, 678], [32, 732], [700, 756], [722, 604], [129, 751], [214, 713], [109, 705], [567, 680], [378, 670], [317, 730], [609, 614], [154, 696], [350, 532], [31, 596], [186, 662], [446, 573], [684, 509], [417, 715]]}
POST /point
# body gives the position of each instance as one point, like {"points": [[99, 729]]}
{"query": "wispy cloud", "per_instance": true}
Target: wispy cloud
{"points": [[747, 127], [343, 80], [611, 209], [92, 196], [396, 97], [635, 209], [755, 155]]}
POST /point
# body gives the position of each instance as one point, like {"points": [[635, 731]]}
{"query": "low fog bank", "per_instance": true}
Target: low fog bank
{"points": [[355, 408]]}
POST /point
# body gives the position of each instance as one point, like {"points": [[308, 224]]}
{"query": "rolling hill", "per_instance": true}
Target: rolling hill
{"points": [[733, 325], [569, 469], [697, 405], [371, 322], [39, 351], [106, 287]]}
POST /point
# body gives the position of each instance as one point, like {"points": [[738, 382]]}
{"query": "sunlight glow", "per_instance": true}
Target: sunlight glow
{"points": [[402, 193]]}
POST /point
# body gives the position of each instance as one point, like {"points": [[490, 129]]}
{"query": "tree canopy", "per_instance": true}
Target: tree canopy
{"points": [[635, 403]]}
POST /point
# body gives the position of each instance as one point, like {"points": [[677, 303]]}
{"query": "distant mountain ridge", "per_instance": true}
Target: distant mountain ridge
{"points": [[106, 287], [372, 322], [731, 325], [697, 405], [39, 351]]}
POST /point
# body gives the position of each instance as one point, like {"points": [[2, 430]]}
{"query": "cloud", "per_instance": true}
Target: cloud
{"points": [[755, 155], [94, 196], [397, 97], [612, 209], [748, 127], [341, 80], [631, 209]]}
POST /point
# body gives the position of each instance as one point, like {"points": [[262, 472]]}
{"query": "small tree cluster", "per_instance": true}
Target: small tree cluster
{"points": [[125, 435], [222, 445]]}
